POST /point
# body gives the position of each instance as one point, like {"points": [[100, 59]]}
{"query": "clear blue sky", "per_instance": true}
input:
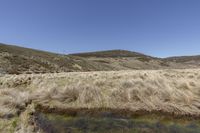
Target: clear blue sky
{"points": [[155, 27]]}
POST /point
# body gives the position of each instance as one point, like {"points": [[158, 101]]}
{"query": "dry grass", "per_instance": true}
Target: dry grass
{"points": [[173, 91], [12, 102]]}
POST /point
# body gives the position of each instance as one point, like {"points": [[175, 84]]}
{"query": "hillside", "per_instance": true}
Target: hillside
{"points": [[190, 60], [111, 53], [18, 60]]}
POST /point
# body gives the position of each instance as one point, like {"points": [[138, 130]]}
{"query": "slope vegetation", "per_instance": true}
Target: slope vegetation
{"points": [[19, 60]]}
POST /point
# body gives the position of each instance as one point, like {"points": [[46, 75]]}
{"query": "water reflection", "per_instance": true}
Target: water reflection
{"points": [[52, 123]]}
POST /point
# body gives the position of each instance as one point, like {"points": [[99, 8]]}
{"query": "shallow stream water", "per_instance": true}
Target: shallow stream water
{"points": [[54, 123]]}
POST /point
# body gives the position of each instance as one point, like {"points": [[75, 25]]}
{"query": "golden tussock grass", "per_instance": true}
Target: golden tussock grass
{"points": [[171, 91]]}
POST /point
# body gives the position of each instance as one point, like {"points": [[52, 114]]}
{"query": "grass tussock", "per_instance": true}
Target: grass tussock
{"points": [[12, 102], [171, 91]]}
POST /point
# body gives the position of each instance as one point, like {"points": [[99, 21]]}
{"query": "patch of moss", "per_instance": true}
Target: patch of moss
{"points": [[144, 59], [14, 123], [8, 125]]}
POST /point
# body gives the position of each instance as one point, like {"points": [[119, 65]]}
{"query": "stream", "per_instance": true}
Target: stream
{"points": [[54, 123]]}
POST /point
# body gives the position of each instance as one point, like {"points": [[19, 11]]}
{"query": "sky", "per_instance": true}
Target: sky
{"points": [[160, 28]]}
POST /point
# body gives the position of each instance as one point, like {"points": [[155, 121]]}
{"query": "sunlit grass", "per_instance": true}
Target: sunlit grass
{"points": [[172, 92]]}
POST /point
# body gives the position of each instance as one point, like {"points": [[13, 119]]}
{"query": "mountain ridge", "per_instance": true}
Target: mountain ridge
{"points": [[18, 60]]}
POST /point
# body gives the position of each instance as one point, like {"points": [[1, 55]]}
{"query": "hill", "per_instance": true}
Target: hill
{"points": [[111, 53], [190, 60], [18, 60]]}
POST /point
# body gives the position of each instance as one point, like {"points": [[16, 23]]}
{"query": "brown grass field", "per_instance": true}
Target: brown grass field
{"points": [[174, 93]]}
